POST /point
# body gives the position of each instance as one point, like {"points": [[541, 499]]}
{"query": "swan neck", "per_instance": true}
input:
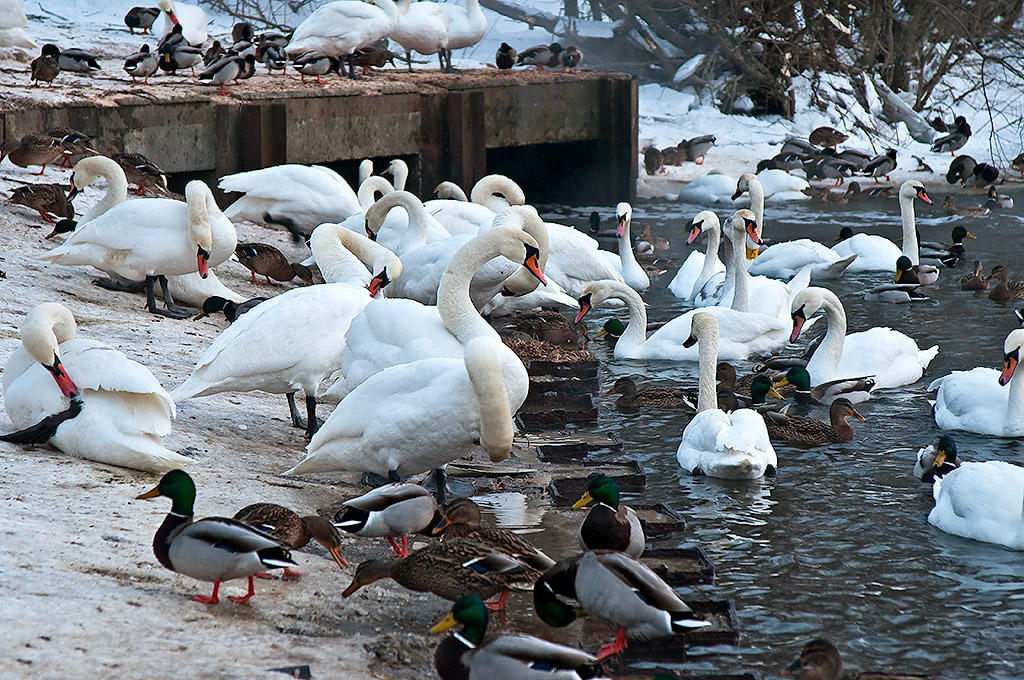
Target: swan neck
{"points": [[522, 280], [710, 255], [417, 226], [1015, 405], [635, 334], [369, 187], [343, 255], [117, 191], [454, 304], [830, 350], [626, 255], [484, 368], [756, 190], [910, 247], [707, 348], [739, 267]]}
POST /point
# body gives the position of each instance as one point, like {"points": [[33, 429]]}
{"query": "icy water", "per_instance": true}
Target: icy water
{"points": [[838, 545]]}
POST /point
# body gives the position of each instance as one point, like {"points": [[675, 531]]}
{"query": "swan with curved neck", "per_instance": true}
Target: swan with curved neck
{"points": [[399, 171], [418, 226], [524, 280], [87, 171], [719, 444], [751, 184], [978, 400], [707, 222], [892, 358], [910, 190], [118, 411], [396, 331], [489, 196], [370, 187], [295, 340], [450, 191], [632, 273]]}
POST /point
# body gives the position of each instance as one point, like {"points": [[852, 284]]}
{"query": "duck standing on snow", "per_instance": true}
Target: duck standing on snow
{"points": [[314, 64], [540, 56], [78, 61], [296, 531], [49, 200], [214, 548], [344, 26], [697, 147], [955, 139], [827, 136], [138, 169], [880, 166], [142, 64], [225, 70], [118, 411], [961, 169], [180, 57], [141, 18], [505, 57], [268, 261], [46, 66], [571, 58]]}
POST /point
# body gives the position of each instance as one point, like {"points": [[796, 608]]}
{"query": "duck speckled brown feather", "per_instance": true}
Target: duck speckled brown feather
{"points": [[49, 200], [461, 519], [138, 169], [268, 261], [287, 526], [807, 430], [651, 396], [1005, 289], [975, 280], [33, 149]]}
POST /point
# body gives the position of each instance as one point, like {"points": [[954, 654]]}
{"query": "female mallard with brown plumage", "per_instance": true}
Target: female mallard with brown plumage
{"points": [[651, 396], [807, 430], [49, 200], [451, 569], [269, 262], [819, 660], [138, 169], [1005, 289], [974, 280], [33, 149], [609, 525], [461, 519], [287, 526]]}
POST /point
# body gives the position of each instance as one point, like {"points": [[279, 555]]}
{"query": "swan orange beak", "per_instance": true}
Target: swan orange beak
{"points": [[620, 229], [798, 323], [736, 194], [695, 231], [923, 195], [369, 232], [584, 307], [378, 282], [61, 377], [203, 260], [174, 18], [1009, 366], [532, 262]]}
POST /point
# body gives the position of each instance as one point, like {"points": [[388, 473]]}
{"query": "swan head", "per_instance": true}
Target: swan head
{"points": [[743, 184], [599, 291], [88, 170], [702, 326], [806, 304], [705, 220], [912, 189], [399, 172], [623, 214], [200, 201], [495, 191], [1011, 354], [168, 7], [745, 221], [378, 212], [449, 190], [45, 327]]}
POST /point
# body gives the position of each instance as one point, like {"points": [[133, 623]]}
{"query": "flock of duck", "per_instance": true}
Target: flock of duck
{"points": [[343, 32], [442, 385]]}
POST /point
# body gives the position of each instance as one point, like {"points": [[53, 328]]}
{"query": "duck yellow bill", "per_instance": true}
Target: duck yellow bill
{"points": [[774, 393], [444, 624], [780, 383], [152, 493], [940, 458], [338, 557], [441, 526], [609, 393], [600, 334], [970, 235], [582, 502]]}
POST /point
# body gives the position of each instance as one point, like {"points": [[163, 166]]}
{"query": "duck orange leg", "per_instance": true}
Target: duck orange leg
{"points": [[266, 575], [499, 604], [209, 599], [400, 550], [613, 647], [242, 599], [291, 574], [41, 171], [46, 218]]}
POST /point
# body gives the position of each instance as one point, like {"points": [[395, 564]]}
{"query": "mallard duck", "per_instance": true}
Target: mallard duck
{"points": [[242, 31], [314, 64], [918, 274], [33, 149], [937, 459], [273, 57], [213, 53], [961, 169], [46, 67], [451, 569], [571, 58], [141, 18], [819, 660], [613, 328], [77, 61], [653, 160], [781, 161], [996, 200], [180, 57], [760, 390], [73, 144], [225, 70], [142, 64], [214, 548], [232, 310], [829, 168], [895, 293], [951, 208], [726, 379], [505, 57], [949, 255], [138, 169], [609, 525], [985, 174], [465, 655], [612, 586], [673, 155], [807, 430], [269, 262], [461, 519], [247, 69], [49, 200], [390, 511], [288, 527], [657, 242], [798, 146], [974, 280], [827, 136], [955, 139], [880, 166], [651, 396], [854, 390], [172, 39], [697, 147], [1005, 289], [854, 192], [541, 56]]}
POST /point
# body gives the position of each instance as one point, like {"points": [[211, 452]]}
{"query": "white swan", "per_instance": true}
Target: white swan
{"points": [[150, 238], [124, 410], [875, 253], [715, 443], [893, 358], [979, 401], [12, 26], [460, 215], [365, 170], [369, 188], [784, 260], [981, 501], [191, 17], [423, 28], [393, 331], [741, 333], [342, 27], [294, 340], [192, 289], [632, 273], [305, 195], [699, 267], [399, 171], [399, 233], [466, 26]]}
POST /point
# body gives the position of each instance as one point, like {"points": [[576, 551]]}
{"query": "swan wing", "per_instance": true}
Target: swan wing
{"points": [[981, 501], [971, 400], [892, 357]]}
